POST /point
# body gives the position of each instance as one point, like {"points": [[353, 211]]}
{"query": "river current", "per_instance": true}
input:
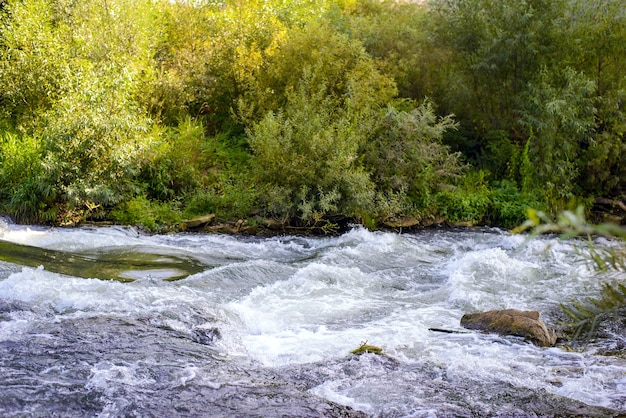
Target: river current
{"points": [[265, 326]]}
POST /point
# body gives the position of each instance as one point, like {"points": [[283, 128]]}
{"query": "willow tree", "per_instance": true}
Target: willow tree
{"points": [[322, 92], [597, 33], [70, 81]]}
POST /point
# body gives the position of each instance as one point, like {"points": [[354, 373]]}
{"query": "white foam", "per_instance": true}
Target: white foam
{"points": [[334, 390], [66, 294], [67, 239], [491, 279]]}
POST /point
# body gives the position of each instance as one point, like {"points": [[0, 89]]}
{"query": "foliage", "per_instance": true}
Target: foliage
{"points": [[561, 114], [69, 79], [521, 68], [395, 35], [498, 47], [405, 153], [310, 110], [230, 199], [470, 202], [510, 205], [308, 153], [585, 316], [24, 189], [307, 148], [319, 60], [152, 215], [172, 164]]}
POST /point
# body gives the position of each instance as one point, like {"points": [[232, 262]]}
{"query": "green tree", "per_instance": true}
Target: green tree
{"points": [[597, 33], [499, 47], [396, 35], [70, 77], [406, 154], [208, 57], [560, 112], [319, 96], [33, 55]]}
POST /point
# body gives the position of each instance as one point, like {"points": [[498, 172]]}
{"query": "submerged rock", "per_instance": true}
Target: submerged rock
{"points": [[525, 324], [206, 336]]}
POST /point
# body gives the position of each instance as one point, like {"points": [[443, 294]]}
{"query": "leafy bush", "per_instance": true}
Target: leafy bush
{"points": [[405, 153], [230, 200], [470, 202], [325, 94], [152, 215], [320, 59], [560, 113], [309, 152], [26, 193], [173, 163], [92, 145], [510, 205]]}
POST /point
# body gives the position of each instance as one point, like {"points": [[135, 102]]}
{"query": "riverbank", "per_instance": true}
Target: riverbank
{"points": [[603, 210]]}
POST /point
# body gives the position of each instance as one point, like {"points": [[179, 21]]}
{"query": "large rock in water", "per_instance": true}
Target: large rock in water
{"points": [[512, 322]]}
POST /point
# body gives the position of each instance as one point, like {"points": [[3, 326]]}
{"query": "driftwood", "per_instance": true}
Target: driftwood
{"points": [[447, 331], [197, 222], [611, 202]]}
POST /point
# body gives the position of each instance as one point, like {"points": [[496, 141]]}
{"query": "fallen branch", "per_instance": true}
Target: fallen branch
{"points": [[448, 331]]}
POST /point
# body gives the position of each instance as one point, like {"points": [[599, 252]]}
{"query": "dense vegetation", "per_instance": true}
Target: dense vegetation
{"points": [[309, 111]]}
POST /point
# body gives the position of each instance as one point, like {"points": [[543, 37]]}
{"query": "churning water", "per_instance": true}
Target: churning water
{"points": [[265, 326]]}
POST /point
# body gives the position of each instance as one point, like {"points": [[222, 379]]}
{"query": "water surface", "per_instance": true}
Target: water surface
{"points": [[264, 327]]}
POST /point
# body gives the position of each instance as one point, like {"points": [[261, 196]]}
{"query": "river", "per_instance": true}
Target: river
{"points": [[245, 327]]}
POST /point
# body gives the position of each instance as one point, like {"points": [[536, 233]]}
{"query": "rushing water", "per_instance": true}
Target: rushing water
{"points": [[264, 327]]}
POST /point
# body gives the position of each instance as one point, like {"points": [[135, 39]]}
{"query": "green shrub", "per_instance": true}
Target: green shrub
{"points": [[229, 200], [309, 154], [173, 163], [325, 95], [319, 60], [27, 195], [406, 156], [510, 205], [155, 216], [470, 202], [92, 146]]}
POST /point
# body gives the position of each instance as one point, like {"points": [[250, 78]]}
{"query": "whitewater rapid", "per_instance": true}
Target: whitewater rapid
{"points": [[267, 328]]}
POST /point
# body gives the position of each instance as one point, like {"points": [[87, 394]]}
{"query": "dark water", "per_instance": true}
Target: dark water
{"points": [[264, 327]]}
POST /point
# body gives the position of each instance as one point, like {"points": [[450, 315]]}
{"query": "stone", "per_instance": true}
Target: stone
{"points": [[206, 336], [404, 222], [526, 324]]}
